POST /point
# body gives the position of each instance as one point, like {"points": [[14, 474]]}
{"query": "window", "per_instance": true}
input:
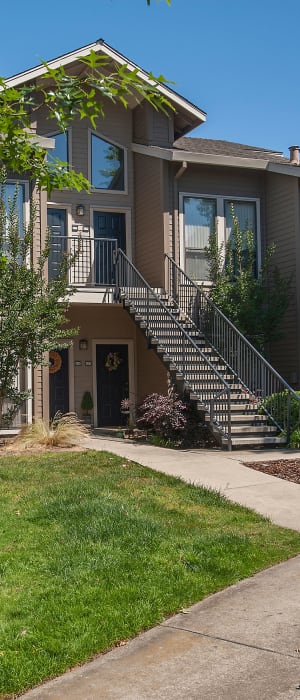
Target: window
{"points": [[108, 171], [245, 213], [61, 149], [14, 196], [200, 216], [199, 224]]}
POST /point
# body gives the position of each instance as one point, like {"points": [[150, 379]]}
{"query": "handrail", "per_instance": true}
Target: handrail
{"points": [[92, 264], [250, 367], [179, 345]]}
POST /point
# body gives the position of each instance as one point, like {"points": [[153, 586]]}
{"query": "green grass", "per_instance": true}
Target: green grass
{"points": [[94, 548]]}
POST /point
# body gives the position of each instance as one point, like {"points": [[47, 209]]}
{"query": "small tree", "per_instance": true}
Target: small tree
{"points": [[32, 310], [255, 301]]}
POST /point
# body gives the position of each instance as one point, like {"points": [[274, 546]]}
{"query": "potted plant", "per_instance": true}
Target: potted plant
{"points": [[125, 410], [87, 405]]}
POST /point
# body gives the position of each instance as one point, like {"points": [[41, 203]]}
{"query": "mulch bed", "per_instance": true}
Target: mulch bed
{"points": [[288, 469]]}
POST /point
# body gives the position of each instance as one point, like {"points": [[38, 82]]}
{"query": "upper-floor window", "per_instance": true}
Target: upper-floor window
{"points": [[203, 215], [199, 223], [108, 165], [245, 211], [61, 148]]}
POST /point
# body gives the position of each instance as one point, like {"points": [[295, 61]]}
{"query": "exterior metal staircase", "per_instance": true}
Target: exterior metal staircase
{"points": [[209, 360]]}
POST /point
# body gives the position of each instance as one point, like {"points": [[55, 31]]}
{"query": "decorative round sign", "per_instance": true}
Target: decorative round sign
{"points": [[55, 361]]}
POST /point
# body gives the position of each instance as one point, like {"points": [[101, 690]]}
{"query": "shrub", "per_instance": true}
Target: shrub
{"points": [[64, 431], [276, 405], [87, 403], [164, 415], [295, 439]]}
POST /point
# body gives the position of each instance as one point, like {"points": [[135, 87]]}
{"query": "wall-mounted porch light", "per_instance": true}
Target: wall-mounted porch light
{"points": [[83, 344], [80, 210]]}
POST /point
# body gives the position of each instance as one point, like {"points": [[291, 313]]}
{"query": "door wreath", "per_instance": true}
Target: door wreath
{"points": [[55, 361], [112, 361]]}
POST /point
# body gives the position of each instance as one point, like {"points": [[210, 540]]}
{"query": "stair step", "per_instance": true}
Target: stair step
{"points": [[196, 379], [270, 429], [254, 441], [248, 419]]}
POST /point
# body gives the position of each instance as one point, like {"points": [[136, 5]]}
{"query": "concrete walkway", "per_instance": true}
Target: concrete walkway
{"points": [[240, 644]]}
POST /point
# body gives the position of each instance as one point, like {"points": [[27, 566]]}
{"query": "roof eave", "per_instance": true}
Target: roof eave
{"points": [[284, 169], [198, 115], [201, 158]]}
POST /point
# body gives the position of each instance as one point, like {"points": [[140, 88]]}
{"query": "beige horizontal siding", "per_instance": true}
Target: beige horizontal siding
{"points": [[283, 231], [149, 218], [151, 127]]}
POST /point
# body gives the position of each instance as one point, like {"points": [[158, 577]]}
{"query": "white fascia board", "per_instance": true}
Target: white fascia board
{"points": [[284, 169], [43, 141], [38, 71], [170, 94], [154, 151], [68, 58], [202, 158], [215, 159]]}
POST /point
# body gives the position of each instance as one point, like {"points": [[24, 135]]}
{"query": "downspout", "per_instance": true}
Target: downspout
{"points": [[181, 170]]}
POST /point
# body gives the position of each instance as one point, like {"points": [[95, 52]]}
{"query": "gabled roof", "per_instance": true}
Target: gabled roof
{"points": [[187, 115], [228, 148]]}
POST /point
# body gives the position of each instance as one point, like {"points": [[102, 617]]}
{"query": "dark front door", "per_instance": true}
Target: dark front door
{"points": [[59, 381], [112, 383], [57, 220], [109, 233]]}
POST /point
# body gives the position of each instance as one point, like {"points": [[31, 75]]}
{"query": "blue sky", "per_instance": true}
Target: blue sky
{"points": [[236, 59]]}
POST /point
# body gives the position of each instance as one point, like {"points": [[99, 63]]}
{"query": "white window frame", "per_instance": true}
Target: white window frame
{"points": [[108, 140], [220, 200]]}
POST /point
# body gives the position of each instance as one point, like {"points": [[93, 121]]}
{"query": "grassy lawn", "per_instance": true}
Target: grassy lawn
{"points": [[94, 548]]}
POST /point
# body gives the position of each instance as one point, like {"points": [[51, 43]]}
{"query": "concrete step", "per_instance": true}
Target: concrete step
{"points": [[264, 429], [254, 441], [246, 418]]}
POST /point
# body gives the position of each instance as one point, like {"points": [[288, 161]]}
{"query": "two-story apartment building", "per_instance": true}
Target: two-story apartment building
{"points": [[155, 190]]}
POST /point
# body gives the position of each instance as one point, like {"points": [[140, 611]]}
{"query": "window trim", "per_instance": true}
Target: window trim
{"points": [[107, 139], [68, 131], [26, 202], [220, 221]]}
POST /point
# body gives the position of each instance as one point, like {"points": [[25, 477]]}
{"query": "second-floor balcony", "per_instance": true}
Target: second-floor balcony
{"points": [[92, 265]]}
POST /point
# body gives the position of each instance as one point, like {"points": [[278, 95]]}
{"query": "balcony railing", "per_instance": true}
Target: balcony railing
{"points": [[92, 259]]}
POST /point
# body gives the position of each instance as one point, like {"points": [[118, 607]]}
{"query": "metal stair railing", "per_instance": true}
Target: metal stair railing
{"points": [[92, 259], [159, 324], [251, 369]]}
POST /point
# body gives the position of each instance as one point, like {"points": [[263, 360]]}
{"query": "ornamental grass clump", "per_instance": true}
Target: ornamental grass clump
{"points": [[164, 415], [63, 431]]}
